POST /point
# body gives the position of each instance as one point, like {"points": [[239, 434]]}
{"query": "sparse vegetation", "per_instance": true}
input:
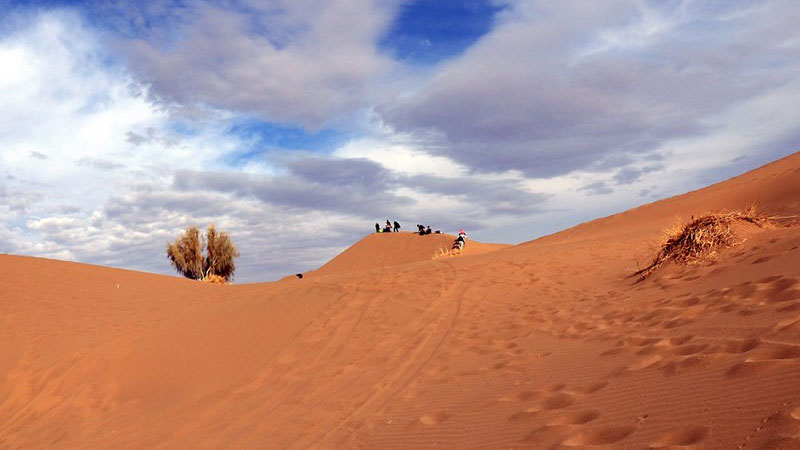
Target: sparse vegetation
{"points": [[215, 266], [702, 237]]}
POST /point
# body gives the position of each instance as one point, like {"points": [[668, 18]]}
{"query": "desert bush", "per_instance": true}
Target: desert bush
{"points": [[186, 255], [702, 237]]}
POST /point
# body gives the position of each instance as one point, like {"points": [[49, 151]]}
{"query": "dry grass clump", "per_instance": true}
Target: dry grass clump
{"points": [[701, 238]]}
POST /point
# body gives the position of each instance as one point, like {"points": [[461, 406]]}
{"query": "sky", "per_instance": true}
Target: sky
{"points": [[296, 125]]}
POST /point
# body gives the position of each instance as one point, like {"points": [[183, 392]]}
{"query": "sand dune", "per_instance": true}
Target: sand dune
{"points": [[546, 345], [384, 250]]}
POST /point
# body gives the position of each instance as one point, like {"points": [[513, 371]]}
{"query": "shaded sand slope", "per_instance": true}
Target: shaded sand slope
{"points": [[544, 345], [382, 250]]}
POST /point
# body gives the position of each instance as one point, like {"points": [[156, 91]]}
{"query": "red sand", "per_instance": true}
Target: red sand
{"points": [[545, 345]]}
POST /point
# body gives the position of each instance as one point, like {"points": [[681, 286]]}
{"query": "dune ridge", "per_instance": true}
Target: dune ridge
{"points": [[548, 344]]}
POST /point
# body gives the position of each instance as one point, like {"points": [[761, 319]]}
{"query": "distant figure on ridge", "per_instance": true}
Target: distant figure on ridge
{"points": [[421, 229], [460, 240], [388, 227], [377, 228], [396, 226], [428, 230]]}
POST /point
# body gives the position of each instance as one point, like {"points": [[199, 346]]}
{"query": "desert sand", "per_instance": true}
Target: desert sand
{"points": [[549, 344]]}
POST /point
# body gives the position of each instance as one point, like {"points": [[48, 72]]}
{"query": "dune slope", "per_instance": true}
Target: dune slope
{"points": [[548, 344], [384, 250]]}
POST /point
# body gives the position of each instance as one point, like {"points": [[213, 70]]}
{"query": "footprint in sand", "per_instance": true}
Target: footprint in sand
{"points": [[558, 400], [548, 435], [776, 351], [787, 295], [592, 388], [793, 306], [749, 367], [741, 346], [689, 435], [683, 364], [743, 290], [434, 419], [600, 436], [762, 260], [646, 362], [782, 428], [577, 418], [770, 279], [524, 415], [529, 395], [613, 351], [680, 340], [690, 349]]}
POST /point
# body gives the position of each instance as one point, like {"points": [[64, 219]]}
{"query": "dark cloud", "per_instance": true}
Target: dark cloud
{"points": [[360, 173], [491, 197], [137, 139], [358, 187], [597, 188], [628, 175]]}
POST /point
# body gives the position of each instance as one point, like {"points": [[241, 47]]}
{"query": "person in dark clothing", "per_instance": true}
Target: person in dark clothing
{"points": [[388, 227], [396, 226], [421, 229], [428, 230], [377, 228]]}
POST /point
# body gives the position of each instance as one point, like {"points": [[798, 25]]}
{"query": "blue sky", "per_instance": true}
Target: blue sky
{"points": [[296, 125], [428, 31]]}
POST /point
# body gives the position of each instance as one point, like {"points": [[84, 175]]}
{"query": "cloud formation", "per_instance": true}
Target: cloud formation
{"points": [[288, 61], [562, 87]]}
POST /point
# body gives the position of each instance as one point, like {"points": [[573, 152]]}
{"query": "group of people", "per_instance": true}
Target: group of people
{"points": [[388, 228], [423, 230]]}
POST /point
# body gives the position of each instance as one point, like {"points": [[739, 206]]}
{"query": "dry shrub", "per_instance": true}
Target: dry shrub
{"points": [[701, 238], [186, 255], [220, 253]]}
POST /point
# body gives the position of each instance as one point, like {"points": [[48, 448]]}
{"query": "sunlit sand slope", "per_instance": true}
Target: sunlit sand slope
{"points": [[383, 250]]}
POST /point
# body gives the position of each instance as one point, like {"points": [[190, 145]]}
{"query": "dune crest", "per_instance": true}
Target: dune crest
{"points": [[385, 250]]}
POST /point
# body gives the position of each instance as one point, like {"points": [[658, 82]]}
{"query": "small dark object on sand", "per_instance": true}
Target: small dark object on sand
{"points": [[300, 275]]}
